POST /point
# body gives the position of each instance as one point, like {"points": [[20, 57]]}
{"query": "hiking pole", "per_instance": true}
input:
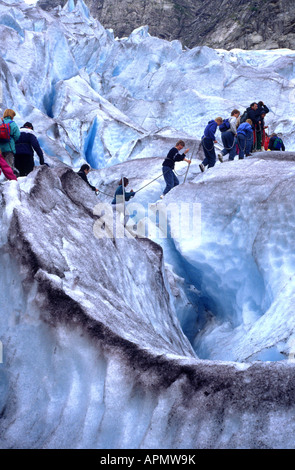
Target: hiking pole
{"points": [[123, 187], [189, 164]]}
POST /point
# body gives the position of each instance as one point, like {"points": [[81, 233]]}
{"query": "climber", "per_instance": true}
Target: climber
{"points": [[7, 170], [261, 137], [83, 172], [121, 194], [173, 156], [262, 110], [208, 141], [228, 136], [276, 143], [244, 134], [7, 146], [25, 146]]}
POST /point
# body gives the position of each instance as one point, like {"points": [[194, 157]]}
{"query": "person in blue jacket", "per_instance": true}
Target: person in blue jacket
{"points": [[118, 198], [25, 147], [208, 141], [244, 136]]}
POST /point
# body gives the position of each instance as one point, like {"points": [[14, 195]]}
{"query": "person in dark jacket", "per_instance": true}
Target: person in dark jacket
{"points": [[25, 147], [276, 143], [83, 172], [208, 141], [173, 156], [253, 113], [262, 110]]}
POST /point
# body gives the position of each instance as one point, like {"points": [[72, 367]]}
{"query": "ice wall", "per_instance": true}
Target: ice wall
{"points": [[93, 360]]}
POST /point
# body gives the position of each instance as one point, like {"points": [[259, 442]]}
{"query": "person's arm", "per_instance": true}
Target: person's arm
{"points": [[181, 157], [84, 177], [36, 146], [129, 194], [15, 132], [212, 130]]}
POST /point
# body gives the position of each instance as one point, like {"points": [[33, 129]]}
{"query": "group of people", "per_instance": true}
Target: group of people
{"points": [[240, 135], [17, 146]]}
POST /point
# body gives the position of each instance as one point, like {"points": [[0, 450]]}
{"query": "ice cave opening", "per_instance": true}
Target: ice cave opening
{"points": [[218, 311]]}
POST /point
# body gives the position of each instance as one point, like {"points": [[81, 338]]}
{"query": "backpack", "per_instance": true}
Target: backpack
{"points": [[244, 117], [5, 131], [224, 126], [277, 145]]}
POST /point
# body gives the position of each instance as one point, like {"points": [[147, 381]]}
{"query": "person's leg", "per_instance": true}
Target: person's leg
{"points": [[233, 150], [208, 146], [212, 158], [7, 170], [24, 164], [259, 139], [227, 140], [169, 179], [175, 180], [9, 158], [249, 145], [242, 145]]}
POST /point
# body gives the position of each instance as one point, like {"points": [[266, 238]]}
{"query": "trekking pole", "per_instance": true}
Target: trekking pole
{"points": [[189, 164], [123, 188]]}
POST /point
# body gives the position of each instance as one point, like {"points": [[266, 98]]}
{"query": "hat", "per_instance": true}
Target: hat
{"points": [[28, 124]]}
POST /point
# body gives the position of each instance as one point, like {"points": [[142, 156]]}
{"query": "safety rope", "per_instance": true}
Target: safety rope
{"points": [[205, 145], [150, 182]]}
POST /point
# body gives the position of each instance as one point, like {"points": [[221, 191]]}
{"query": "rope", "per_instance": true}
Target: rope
{"points": [[99, 191], [162, 174], [205, 145], [229, 148], [189, 163]]}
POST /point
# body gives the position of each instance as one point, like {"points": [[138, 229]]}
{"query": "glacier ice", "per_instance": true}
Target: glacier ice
{"points": [[142, 342]]}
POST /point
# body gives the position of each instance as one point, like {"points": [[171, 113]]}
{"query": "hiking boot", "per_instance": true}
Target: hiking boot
{"points": [[202, 168], [162, 196], [220, 157]]}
